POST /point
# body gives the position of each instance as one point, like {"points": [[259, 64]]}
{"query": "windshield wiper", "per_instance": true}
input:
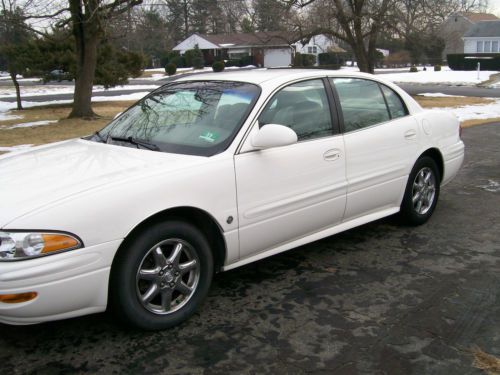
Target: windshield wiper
{"points": [[101, 138], [137, 142]]}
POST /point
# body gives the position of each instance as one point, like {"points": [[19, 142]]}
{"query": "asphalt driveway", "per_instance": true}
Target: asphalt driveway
{"points": [[379, 299]]}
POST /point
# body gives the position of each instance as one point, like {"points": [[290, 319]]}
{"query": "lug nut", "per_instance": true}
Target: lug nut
{"points": [[162, 284], [172, 285]]}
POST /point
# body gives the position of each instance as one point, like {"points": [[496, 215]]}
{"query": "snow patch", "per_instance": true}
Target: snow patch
{"points": [[7, 116], [440, 95], [10, 92], [29, 124], [475, 112], [445, 76], [14, 148]]}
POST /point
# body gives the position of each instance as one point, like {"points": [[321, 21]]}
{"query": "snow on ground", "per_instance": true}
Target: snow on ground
{"points": [[9, 92], [440, 95], [28, 124], [14, 148], [5, 116], [475, 112], [445, 76]]}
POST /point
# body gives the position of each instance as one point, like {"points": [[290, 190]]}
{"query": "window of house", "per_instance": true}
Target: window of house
{"points": [[494, 46], [362, 103], [487, 46], [303, 107], [479, 47]]}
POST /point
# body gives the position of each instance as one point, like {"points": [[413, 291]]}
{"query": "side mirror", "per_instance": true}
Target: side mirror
{"points": [[273, 135]]}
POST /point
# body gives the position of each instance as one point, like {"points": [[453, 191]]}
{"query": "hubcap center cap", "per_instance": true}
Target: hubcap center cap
{"points": [[168, 276]]}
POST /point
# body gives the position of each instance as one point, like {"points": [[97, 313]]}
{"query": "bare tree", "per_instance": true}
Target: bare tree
{"points": [[356, 22]]}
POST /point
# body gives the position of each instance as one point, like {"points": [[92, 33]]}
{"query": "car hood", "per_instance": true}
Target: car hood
{"points": [[43, 175]]}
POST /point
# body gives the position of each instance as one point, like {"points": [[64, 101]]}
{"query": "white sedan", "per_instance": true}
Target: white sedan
{"points": [[206, 174]]}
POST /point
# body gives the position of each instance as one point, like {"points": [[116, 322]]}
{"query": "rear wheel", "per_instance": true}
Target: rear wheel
{"points": [[422, 192], [161, 276]]}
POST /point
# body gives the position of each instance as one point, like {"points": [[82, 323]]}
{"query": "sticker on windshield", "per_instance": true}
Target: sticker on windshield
{"points": [[209, 136]]}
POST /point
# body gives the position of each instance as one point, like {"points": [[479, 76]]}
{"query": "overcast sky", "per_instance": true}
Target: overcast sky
{"points": [[495, 6]]}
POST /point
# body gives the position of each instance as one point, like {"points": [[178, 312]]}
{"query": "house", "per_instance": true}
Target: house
{"points": [[483, 37], [318, 44], [267, 49], [456, 25]]}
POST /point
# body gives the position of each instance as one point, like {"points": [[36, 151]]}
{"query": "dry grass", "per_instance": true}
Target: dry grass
{"points": [[486, 362], [494, 78], [471, 123], [64, 129], [431, 102]]}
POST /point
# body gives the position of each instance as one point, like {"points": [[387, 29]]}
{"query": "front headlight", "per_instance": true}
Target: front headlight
{"points": [[25, 245]]}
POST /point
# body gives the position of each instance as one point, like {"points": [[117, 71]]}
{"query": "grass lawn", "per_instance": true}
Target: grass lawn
{"points": [[64, 129], [71, 128]]}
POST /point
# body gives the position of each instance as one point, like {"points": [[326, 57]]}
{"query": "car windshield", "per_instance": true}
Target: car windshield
{"points": [[196, 118]]}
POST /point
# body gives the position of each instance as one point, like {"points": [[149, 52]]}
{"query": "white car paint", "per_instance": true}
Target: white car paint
{"points": [[279, 197]]}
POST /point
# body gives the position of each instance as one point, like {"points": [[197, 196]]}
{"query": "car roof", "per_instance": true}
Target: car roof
{"points": [[275, 77], [258, 76]]}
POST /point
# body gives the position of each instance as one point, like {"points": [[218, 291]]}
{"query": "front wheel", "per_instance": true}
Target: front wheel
{"points": [[161, 276], [422, 192]]}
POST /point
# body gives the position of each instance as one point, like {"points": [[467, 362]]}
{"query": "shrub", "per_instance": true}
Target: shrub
{"points": [[331, 58], [396, 59], [197, 59], [413, 69], [308, 59], [437, 68], [218, 66], [170, 69], [468, 61], [297, 59]]}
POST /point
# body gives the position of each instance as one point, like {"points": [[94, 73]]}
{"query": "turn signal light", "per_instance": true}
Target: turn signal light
{"points": [[56, 242], [18, 298]]}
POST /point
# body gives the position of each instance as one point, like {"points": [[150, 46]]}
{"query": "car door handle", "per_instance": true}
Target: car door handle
{"points": [[410, 134], [331, 155]]}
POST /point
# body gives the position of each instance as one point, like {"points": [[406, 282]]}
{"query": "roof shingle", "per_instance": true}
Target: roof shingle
{"points": [[477, 17], [270, 38], [484, 29]]}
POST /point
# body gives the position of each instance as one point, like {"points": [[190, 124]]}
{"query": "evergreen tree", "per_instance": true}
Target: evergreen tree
{"points": [[17, 52], [197, 58]]}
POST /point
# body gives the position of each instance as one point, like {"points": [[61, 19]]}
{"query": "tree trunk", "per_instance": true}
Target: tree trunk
{"points": [[362, 58], [13, 76], [84, 81], [86, 40]]}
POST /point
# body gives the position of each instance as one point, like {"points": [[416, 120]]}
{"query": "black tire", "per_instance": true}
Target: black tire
{"points": [[128, 291], [410, 212]]}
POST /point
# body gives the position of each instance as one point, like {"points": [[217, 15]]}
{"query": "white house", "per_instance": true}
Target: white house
{"points": [[267, 49], [483, 37], [318, 44]]}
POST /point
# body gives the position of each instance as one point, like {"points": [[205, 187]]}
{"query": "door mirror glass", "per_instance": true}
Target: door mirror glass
{"points": [[273, 135]]}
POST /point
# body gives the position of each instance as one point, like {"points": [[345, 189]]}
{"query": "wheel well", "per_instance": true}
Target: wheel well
{"points": [[438, 158], [200, 219]]}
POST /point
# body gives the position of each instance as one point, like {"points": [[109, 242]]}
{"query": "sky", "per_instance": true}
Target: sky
{"points": [[495, 6]]}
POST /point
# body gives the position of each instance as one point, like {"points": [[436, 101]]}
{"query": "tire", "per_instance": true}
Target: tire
{"points": [[161, 277], [422, 192]]}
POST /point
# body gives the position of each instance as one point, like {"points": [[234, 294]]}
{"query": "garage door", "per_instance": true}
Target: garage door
{"points": [[277, 57]]}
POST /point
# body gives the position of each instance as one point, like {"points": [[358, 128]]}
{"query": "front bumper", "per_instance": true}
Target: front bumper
{"points": [[68, 284]]}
